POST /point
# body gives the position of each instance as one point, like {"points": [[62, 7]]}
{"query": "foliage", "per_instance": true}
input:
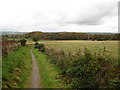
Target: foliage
{"points": [[84, 70], [66, 36], [48, 72], [40, 47], [23, 42], [16, 68], [72, 36], [36, 45], [8, 46], [35, 39]]}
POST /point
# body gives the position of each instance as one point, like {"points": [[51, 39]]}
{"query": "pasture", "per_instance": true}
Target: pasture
{"points": [[84, 65], [94, 46]]}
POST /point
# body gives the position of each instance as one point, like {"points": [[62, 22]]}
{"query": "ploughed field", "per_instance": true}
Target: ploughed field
{"points": [[111, 47]]}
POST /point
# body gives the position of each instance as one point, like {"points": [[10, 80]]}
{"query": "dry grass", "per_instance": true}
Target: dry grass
{"points": [[74, 45]]}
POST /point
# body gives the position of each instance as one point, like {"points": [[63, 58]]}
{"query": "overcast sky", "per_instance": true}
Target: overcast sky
{"points": [[59, 15]]}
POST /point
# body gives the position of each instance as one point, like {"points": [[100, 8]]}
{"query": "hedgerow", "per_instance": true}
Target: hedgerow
{"points": [[85, 69]]}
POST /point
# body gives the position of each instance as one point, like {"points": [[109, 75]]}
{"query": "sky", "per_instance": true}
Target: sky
{"points": [[59, 15]]}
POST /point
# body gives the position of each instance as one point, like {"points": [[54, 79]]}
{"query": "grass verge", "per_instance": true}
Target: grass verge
{"points": [[16, 68], [48, 72]]}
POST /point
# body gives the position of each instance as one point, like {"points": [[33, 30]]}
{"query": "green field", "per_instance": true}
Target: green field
{"points": [[94, 46]]}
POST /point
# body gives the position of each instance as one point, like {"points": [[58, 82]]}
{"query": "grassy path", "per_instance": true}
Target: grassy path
{"points": [[29, 68], [48, 72], [35, 77]]}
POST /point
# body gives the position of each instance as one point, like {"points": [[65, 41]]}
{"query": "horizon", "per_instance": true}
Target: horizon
{"points": [[54, 32]]}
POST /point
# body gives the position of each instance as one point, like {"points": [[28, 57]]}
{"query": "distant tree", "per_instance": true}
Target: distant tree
{"points": [[35, 39], [36, 35]]}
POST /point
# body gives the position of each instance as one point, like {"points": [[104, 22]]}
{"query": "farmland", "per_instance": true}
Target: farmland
{"points": [[65, 63], [75, 45], [93, 59], [59, 44]]}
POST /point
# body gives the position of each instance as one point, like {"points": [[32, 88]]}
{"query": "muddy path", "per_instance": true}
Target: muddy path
{"points": [[35, 77]]}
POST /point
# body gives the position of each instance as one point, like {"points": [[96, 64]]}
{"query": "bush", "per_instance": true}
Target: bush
{"points": [[8, 46], [35, 39], [40, 47], [85, 70], [89, 73], [23, 42], [36, 45]]}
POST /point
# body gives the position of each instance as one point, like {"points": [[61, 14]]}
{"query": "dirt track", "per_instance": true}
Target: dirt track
{"points": [[35, 77]]}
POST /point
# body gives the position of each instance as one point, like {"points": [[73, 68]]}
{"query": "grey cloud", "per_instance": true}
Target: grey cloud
{"points": [[71, 17], [93, 15]]}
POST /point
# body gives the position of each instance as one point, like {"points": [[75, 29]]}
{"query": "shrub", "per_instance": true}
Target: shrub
{"points": [[36, 45], [85, 70], [41, 47], [35, 39], [8, 46], [90, 72], [23, 42]]}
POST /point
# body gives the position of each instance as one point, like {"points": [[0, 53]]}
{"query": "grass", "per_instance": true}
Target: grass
{"points": [[17, 39], [48, 72], [74, 45], [16, 68], [97, 69], [0, 71]]}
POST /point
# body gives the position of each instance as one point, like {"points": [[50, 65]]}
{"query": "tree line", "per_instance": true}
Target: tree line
{"points": [[67, 36], [72, 36]]}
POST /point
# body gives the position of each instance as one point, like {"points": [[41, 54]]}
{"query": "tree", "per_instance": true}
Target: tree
{"points": [[35, 39]]}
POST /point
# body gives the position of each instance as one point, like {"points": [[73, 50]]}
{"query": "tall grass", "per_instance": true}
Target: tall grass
{"points": [[8, 46], [74, 45], [85, 69], [16, 68]]}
